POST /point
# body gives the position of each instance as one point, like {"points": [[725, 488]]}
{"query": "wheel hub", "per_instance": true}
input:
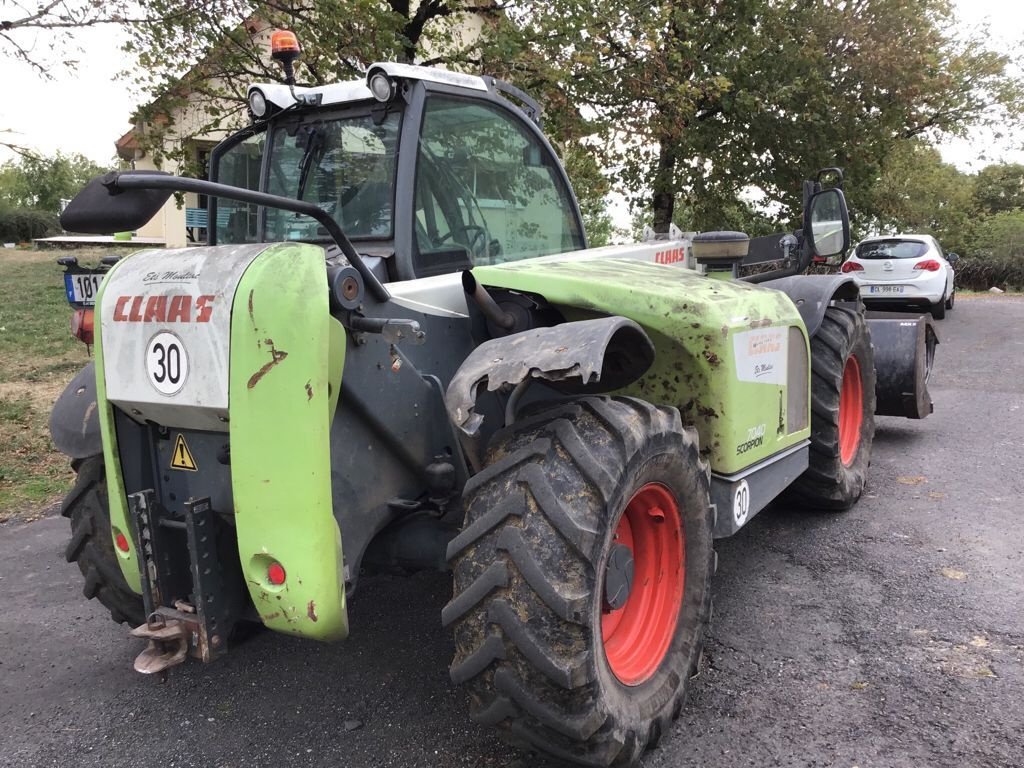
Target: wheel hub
{"points": [[618, 577]]}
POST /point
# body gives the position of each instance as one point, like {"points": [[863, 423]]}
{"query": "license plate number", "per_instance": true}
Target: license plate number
{"points": [[885, 289], [82, 288]]}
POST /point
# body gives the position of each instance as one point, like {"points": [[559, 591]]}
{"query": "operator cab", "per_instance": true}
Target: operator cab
{"points": [[427, 172]]}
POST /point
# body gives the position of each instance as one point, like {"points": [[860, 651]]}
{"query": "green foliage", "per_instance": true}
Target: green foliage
{"points": [[999, 188], [198, 59], [21, 225], [37, 182], [694, 105], [917, 192], [1001, 236]]}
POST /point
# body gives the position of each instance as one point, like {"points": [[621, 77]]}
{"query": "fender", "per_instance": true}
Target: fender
{"points": [[74, 423], [582, 357], [813, 293]]}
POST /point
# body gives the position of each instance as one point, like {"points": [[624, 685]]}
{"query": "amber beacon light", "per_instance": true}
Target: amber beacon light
{"points": [[284, 47]]}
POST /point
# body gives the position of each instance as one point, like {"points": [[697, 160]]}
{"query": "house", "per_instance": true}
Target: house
{"points": [[178, 138]]}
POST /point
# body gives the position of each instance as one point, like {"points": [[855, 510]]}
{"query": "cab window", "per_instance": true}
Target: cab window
{"points": [[487, 190], [239, 166]]}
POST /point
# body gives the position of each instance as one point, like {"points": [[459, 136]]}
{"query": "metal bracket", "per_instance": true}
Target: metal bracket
{"points": [[187, 609]]}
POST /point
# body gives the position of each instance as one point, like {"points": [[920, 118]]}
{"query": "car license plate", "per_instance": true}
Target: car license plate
{"points": [[82, 287], [889, 289]]}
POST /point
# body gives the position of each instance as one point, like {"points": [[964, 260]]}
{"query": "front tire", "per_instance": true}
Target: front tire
{"points": [[92, 547], [842, 413], [560, 647]]}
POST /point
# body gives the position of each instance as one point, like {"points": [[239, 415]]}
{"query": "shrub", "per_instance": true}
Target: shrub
{"points": [[979, 273], [19, 225]]}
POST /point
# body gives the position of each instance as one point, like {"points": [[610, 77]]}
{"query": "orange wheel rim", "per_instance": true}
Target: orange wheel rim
{"points": [[637, 635], [851, 411]]}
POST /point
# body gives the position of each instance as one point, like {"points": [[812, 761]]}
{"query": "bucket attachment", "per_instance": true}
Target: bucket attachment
{"points": [[904, 347]]}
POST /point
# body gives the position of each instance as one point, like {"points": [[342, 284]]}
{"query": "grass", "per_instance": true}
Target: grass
{"points": [[38, 356]]}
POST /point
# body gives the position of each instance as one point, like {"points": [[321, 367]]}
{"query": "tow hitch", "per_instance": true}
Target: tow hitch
{"points": [[169, 641], [189, 607]]}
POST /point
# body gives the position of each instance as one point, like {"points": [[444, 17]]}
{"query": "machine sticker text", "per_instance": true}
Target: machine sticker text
{"points": [[180, 308], [166, 363], [755, 439], [761, 355]]}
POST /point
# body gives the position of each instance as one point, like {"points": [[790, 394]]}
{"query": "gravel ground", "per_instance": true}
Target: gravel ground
{"points": [[889, 636]]}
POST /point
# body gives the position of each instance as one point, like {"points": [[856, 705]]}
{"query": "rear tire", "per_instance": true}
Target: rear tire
{"points": [[952, 299], [566, 495], [939, 309], [842, 413], [92, 547]]}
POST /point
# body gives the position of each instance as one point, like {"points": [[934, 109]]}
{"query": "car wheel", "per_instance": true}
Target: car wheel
{"points": [[939, 309], [951, 299]]}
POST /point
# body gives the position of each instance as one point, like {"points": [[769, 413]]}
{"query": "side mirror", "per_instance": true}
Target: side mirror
{"points": [[827, 223], [952, 258], [103, 207]]}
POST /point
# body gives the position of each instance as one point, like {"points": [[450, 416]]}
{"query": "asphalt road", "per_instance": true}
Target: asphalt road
{"points": [[889, 636]]}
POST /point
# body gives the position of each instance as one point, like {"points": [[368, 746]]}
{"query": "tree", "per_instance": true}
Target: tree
{"points": [[999, 188], [696, 101], [206, 56], [917, 192], [1002, 236], [41, 183]]}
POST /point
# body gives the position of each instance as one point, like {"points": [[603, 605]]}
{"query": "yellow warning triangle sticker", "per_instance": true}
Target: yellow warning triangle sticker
{"points": [[182, 458]]}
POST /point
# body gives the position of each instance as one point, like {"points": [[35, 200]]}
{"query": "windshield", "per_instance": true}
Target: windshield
{"points": [[345, 165], [892, 249]]}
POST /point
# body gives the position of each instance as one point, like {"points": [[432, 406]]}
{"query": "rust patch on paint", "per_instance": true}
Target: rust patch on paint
{"points": [[309, 390], [311, 611], [276, 356]]}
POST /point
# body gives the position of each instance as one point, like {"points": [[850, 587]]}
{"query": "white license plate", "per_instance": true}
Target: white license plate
{"points": [[887, 289], [82, 288]]}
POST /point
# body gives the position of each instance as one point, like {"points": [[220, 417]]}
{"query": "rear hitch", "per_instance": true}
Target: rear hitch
{"points": [[191, 608], [168, 644]]}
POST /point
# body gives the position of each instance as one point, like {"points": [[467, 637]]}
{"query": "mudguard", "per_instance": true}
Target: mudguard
{"points": [[74, 423], [812, 295], [588, 356]]}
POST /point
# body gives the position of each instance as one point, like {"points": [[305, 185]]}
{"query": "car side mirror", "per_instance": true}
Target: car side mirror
{"points": [[827, 223], [952, 258], [102, 207]]}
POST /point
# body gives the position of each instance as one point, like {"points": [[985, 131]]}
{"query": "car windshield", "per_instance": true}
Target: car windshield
{"points": [[892, 249], [346, 166]]}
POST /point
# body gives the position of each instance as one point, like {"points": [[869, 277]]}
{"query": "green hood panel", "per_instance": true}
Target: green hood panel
{"points": [[723, 349]]}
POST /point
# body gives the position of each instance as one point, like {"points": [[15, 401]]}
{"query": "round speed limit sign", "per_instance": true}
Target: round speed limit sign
{"points": [[166, 363]]}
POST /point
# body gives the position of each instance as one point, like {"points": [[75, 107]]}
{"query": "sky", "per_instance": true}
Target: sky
{"points": [[86, 111]]}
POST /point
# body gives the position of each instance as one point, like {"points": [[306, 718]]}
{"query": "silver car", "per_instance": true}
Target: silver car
{"points": [[906, 270]]}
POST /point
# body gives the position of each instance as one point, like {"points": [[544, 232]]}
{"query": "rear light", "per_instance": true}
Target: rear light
{"points": [[930, 265], [851, 266], [276, 574], [82, 325]]}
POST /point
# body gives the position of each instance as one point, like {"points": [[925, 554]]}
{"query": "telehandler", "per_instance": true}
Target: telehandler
{"points": [[398, 352]]}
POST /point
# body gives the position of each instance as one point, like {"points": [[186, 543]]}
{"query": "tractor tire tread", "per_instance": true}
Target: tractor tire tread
{"points": [[541, 694], [91, 547]]}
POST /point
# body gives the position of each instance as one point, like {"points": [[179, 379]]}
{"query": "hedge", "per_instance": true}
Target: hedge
{"points": [[21, 225], [981, 273]]}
